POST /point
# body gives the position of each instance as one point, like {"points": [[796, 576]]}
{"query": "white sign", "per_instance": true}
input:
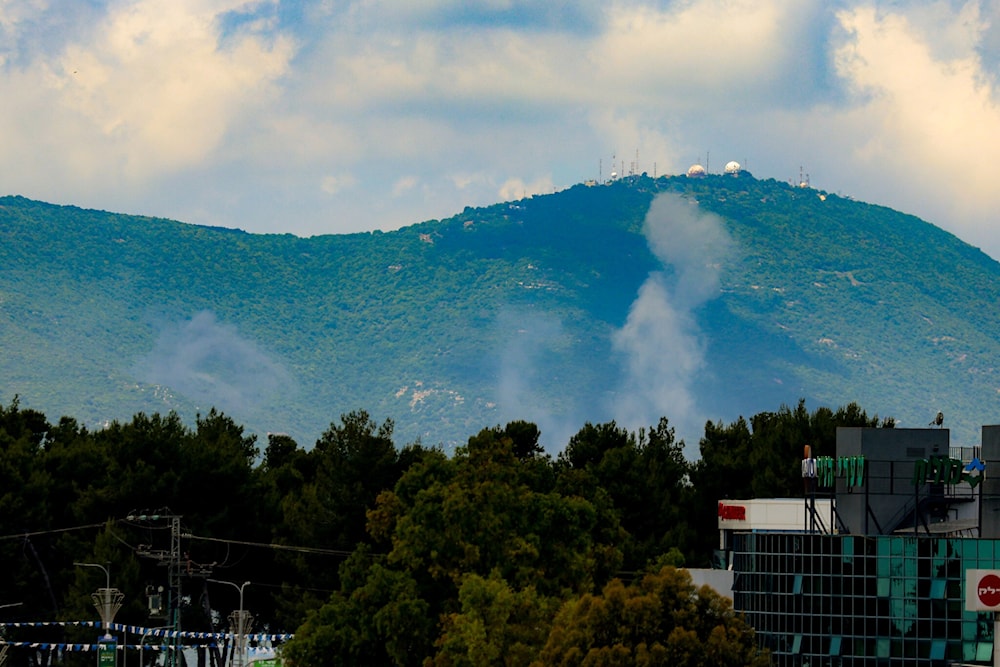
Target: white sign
{"points": [[982, 590]]}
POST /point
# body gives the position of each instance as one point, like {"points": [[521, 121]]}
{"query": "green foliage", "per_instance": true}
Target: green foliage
{"points": [[496, 625], [382, 621], [823, 297], [496, 554], [644, 476], [324, 495], [761, 458], [487, 513], [660, 620]]}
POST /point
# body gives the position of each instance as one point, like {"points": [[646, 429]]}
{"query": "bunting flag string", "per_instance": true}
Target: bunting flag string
{"points": [[153, 632], [54, 646]]}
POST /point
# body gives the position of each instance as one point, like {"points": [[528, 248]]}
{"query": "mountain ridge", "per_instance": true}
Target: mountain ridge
{"points": [[516, 310]]}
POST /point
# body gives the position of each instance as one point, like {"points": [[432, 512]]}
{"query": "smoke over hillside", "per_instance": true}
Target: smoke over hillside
{"points": [[660, 342], [212, 365], [656, 355]]}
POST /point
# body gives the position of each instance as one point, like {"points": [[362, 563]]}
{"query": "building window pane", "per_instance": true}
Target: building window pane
{"points": [[984, 651]]}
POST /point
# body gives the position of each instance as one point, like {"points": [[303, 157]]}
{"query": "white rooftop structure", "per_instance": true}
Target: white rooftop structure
{"points": [[761, 514]]}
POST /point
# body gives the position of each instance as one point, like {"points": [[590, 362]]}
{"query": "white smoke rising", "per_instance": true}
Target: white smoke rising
{"points": [[693, 242], [529, 339], [210, 363], [660, 340]]}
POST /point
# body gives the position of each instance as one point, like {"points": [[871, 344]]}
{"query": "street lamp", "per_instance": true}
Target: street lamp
{"points": [[242, 624], [108, 601], [105, 570]]}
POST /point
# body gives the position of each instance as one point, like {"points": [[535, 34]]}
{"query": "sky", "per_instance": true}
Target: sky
{"points": [[322, 117]]}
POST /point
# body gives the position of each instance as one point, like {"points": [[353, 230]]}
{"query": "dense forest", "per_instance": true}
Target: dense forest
{"points": [[374, 553], [518, 310]]}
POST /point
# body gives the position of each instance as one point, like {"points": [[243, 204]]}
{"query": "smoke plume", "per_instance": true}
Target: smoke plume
{"points": [[530, 355], [660, 342], [211, 364]]}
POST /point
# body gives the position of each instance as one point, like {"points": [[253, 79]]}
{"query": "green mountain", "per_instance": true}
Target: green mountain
{"points": [[690, 298]]}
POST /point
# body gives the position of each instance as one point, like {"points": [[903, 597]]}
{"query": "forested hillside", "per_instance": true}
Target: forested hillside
{"points": [[727, 297], [378, 554]]}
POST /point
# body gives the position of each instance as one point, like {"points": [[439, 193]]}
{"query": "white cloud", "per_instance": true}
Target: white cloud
{"points": [[926, 127], [516, 188], [404, 184], [333, 184], [149, 89], [159, 86], [322, 114], [13, 13], [700, 49]]}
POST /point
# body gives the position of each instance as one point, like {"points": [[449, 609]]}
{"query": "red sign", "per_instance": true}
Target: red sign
{"points": [[988, 590], [732, 512]]}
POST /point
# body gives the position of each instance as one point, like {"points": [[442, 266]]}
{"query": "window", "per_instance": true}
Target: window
{"points": [[984, 651]]}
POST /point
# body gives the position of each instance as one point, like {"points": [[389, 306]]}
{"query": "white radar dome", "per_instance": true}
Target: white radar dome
{"points": [[733, 167], [696, 171]]}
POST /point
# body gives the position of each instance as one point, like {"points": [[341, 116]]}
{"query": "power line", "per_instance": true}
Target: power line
{"points": [[189, 536], [21, 536], [277, 547]]}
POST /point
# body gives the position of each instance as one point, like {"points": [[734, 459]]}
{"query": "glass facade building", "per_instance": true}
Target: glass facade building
{"points": [[878, 577], [849, 600]]}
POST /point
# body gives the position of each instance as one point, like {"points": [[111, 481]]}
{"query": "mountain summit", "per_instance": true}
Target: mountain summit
{"points": [[691, 298]]}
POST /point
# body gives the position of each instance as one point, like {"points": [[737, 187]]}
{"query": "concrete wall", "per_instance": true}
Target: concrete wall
{"points": [[783, 514], [890, 457], [721, 581]]}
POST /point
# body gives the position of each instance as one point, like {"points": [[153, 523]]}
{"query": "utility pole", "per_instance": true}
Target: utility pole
{"points": [[170, 558]]}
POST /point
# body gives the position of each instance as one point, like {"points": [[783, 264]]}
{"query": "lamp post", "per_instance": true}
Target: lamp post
{"points": [[105, 570], [107, 601], [242, 623]]}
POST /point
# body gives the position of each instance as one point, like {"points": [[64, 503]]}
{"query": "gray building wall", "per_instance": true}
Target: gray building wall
{"points": [[890, 457], [990, 499], [721, 581]]}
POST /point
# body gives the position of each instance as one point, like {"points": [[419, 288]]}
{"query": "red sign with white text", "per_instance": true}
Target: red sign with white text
{"points": [[982, 590]]}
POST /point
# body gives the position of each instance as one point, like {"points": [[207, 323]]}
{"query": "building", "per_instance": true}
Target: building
{"points": [[869, 568]]}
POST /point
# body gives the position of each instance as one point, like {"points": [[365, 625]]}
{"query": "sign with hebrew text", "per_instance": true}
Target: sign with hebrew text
{"points": [[850, 468], [946, 470], [982, 590]]}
